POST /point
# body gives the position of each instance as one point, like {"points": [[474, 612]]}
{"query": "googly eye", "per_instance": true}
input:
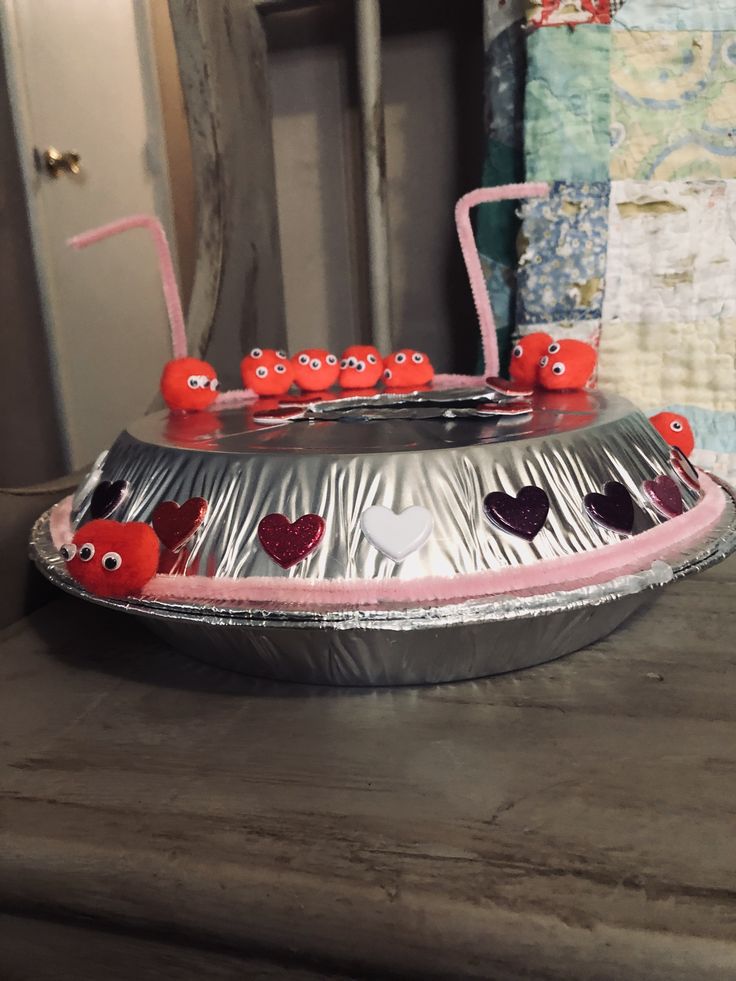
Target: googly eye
{"points": [[372, 359], [400, 358], [204, 381], [387, 374], [331, 359], [256, 353], [352, 362], [193, 381], [543, 361], [280, 369], [111, 561], [67, 552], [283, 355], [344, 363], [315, 364], [553, 348], [360, 366], [261, 371], [417, 358], [214, 384], [517, 352], [86, 552], [558, 368], [303, 359], [676, 426]]}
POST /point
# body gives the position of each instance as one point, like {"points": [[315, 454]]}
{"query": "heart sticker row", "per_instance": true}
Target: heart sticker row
{"points": [[399, 535]]}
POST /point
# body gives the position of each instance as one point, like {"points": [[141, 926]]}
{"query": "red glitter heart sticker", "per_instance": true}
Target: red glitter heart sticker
{"points": [[289, 542], [665, 495], [175, 525]]}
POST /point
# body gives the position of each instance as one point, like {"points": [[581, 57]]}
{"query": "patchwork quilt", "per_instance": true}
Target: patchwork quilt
{"points": [[628, 109]]}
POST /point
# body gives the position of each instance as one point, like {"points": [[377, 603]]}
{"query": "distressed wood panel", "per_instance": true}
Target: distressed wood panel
{"points": [[573, 821], [237, 296]]}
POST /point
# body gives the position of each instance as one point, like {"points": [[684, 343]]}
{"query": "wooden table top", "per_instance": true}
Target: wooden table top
{"points": [[573, 821]]}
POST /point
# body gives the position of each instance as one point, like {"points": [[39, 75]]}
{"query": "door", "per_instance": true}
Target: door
{"points": [[82, 78]]}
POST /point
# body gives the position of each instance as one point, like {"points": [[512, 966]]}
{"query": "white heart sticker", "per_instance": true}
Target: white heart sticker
{"points": [[396, 535]]}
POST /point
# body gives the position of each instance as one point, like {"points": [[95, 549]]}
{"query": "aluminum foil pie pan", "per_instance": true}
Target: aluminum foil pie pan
{"points": [[569, 445]]}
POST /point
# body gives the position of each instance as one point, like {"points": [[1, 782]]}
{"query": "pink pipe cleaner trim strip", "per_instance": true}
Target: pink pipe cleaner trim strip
{"points": [[234, 398], [568, 572], [486, 195], [165, 265]]}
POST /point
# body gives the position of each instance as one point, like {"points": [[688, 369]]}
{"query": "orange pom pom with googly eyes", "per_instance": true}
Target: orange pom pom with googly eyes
{"points": [[188, 384], [361, 366], [113, 558], [267, 372], [406, 368], [315, 370], [675, 430], [526, 355], [568, 364]]}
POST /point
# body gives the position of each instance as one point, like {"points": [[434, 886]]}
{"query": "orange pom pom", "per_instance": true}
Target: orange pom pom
{"points": [[407, 368], [526, 355], [361, 366], [567, 364], [111, 558], [315, 369], [188, 384], [267, 372], [674, 430]]}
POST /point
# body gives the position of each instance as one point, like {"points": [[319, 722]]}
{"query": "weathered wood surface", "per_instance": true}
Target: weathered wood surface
{"points": [[47, 951], [237, 297], [574, 821]]}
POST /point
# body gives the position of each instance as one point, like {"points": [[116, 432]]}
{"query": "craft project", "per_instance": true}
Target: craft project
{"points": [[526, 357], [315, 370], [187, 384], [613, 508], [361, 366], [523, 515], [407, 368], [267, 372], [275, 539], [674, 430], [396, 535], [567, 364], [288, 542], [112, 559]]}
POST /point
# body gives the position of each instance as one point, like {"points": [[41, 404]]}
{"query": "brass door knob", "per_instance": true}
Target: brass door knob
{"points": [[54, 161]]}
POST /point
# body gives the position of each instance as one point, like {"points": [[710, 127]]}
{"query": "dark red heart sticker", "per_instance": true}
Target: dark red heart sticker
{"points": [[613, 508], [175, 525], [523, 515], [665, 495], [108, 497], [289, 542], [684, 468]]}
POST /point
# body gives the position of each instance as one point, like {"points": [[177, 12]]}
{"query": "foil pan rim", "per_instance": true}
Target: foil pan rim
{"points": [[713, 548]]}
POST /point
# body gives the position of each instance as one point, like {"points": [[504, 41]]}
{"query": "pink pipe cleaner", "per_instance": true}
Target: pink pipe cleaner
{"points": [[165, 265], [486, 195], [234, 398]]}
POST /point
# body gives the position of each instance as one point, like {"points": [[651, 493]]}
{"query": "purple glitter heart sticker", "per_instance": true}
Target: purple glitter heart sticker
{"points": [[108, 497], [523, 515], [613, 508], [665, 495]]}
